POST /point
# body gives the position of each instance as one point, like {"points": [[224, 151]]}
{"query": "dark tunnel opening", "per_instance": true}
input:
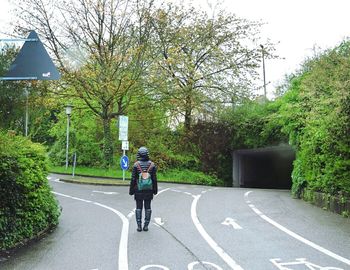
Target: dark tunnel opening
{"points": [[264, 167]]}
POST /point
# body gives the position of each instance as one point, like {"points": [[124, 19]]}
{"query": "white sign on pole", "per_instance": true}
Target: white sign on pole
{"points": [[125, 145], [123, 128]]}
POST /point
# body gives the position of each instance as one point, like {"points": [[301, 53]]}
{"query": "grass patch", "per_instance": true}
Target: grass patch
{"points": [[98, 172], [173, 176]]}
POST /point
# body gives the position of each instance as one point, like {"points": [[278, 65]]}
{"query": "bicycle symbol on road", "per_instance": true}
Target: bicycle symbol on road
{"points": [[301, 261]]}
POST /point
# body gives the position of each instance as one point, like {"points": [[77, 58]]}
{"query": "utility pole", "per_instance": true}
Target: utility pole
{"points": [[263, 62]]}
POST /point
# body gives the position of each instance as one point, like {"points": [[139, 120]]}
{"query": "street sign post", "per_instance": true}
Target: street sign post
{"points": [[124, 164], [123, 128], [123, 136], [125, 145]]}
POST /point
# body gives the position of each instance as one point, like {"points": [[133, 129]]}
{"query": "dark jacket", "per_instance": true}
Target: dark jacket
{"points": [[143, 194]]}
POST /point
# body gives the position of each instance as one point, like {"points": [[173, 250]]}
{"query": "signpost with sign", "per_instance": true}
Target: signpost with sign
{"points": [[124, 163], [123, 136], [123, 128]]}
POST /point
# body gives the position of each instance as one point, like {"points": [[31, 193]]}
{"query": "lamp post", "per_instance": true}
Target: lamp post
{"points": [[68, 113], [263, 62], [27, 114]]}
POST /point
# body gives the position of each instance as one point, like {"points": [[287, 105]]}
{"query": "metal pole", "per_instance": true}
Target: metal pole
{"points": [[27, 114], [67, 146], [17, 39], [123, 170], [74, 163], [263, 60]]}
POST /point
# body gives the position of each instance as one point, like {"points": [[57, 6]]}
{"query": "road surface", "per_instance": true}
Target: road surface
{"points": [[192, 227]]}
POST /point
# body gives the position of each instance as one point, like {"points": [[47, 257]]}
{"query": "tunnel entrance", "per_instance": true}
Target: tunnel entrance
{"points": [[269, 167]]}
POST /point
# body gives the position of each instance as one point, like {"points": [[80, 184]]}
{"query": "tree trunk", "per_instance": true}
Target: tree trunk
{"points": [[188, 112], [107, 142], [188, 121]]}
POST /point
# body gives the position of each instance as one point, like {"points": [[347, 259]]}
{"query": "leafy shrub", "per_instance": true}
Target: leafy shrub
{"points": [[315, 113], [191, 177], [84, 140], [27, 205]]}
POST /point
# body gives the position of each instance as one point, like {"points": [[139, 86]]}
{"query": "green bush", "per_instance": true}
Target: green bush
{"points": [[315, 113], [190, 177], [27, 205]]}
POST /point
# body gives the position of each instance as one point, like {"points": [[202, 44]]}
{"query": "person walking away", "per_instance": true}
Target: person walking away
{"points": [[143, 186]]}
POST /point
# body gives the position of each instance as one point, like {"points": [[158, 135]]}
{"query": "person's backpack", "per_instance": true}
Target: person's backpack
{"points": [[145, 181]]}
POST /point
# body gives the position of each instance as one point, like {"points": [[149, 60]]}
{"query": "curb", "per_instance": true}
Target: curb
{"points": [[95, 183]]}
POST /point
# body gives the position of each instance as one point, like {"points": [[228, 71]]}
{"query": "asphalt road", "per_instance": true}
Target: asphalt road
{"points": [[193, 227]]}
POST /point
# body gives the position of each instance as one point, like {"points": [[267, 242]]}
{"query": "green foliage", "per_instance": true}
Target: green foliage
{"points": [[171, 175], [85, 138], [190, 177], [203, 60], [299, 182], [12, 98], [27, 205], [315, 113], [254, 124]]}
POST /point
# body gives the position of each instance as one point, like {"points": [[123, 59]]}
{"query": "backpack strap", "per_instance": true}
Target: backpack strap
{"points": [[139, 166], [149, 167]]}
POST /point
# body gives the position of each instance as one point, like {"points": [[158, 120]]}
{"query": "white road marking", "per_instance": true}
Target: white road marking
{"points": [[299, 261], [191, 265], [123, 244], [56, 180], [297, 236], [159, 221], [163, 190], [133, 211], [105, 192], [231, 222], [247, 194], [210, 240], [154, 266], [129, 216]]}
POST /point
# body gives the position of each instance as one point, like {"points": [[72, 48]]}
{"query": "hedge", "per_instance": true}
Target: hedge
{"points": [[27, 205]]}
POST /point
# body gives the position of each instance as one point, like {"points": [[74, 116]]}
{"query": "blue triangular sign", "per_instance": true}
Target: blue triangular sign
{"points": [[33, 62]]}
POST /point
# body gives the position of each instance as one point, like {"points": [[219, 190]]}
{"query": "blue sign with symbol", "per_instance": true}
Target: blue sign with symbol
{"points": [[124, 162]]}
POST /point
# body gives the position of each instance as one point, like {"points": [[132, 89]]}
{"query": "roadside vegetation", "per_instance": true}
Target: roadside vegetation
{"points": [[185, 80], [28, 208]]}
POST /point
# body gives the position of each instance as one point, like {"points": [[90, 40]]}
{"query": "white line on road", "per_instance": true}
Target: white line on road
{"points": [[123, 244], [133, 211], [105, 192], [297, 236], [210, 240], [56, 180], [160, 192]]}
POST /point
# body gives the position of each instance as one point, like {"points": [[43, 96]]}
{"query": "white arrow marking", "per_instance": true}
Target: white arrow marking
{"points": [[159, 221], [231, 221], [125, 163]]}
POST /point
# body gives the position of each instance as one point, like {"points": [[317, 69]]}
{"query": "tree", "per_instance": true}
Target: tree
{"points": [[12, 97], [99, 46], [205, 61]]}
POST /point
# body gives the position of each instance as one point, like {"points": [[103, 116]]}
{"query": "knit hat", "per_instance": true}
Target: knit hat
{"points": [[142, 154]]}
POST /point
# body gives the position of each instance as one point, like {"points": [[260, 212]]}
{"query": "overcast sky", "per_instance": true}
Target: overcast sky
{"points": [[297, 25]]}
